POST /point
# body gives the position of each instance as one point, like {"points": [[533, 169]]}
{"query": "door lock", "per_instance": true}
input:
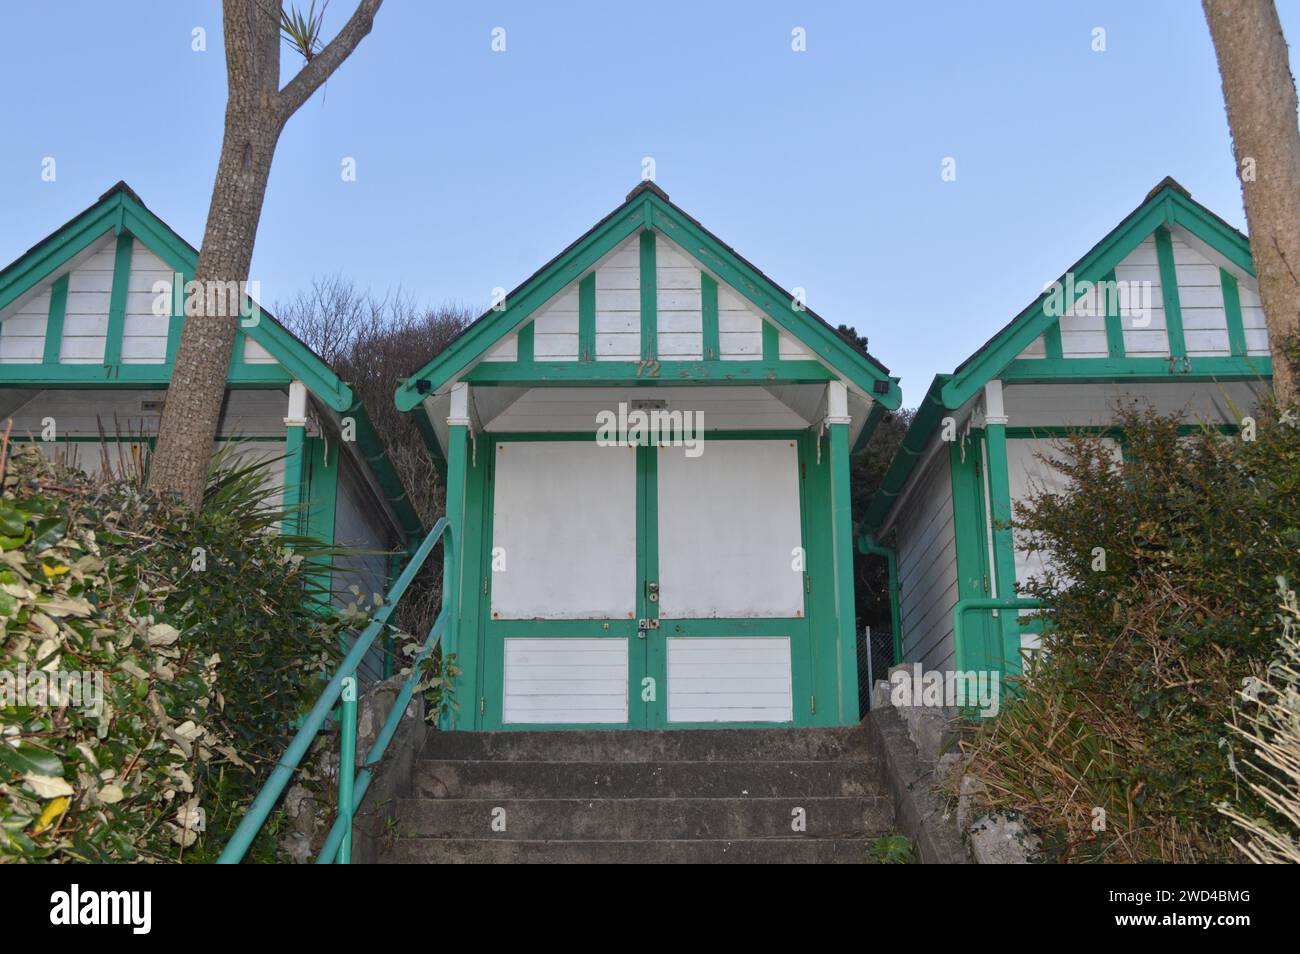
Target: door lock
{"points": [[652, 591], [645, 625]]}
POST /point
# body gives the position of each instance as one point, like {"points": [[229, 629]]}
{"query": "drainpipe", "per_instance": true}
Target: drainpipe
{"points": [[869, 546]]}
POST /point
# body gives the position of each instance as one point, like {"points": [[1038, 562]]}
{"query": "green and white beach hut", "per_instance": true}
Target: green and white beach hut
{"points": [[86, 357], [1163, 313], [647, 455]]}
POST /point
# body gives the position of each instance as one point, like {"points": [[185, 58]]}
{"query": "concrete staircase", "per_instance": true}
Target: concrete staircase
{"points": [[631, 796]]}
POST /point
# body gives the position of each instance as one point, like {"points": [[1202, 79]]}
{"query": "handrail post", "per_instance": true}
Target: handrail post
{"points": [[347, 765]]}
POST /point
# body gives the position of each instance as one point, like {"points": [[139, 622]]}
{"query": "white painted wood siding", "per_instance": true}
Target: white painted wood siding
{"points": [[729, 526], [1200, 297], [680, 328], [564, 516], [729, 679], [1093, 404], [565, 681], [555, 329], [507, 349], [80, 412], [927, 566], [618, 304], [85, 322], [22, 331], [575, 409], [144, 334], [740, 327]]}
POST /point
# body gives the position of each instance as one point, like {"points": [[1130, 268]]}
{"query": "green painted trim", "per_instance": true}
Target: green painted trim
{"points": [[1165, 207], [117, 299], [819, 337], [712, 344], [294, 466], [1169, 293], [457, 459], [645, 209], [587, 318], [176, 323], [915, 441], [1232, 310], [524, 344], [649, 298], [129, 375], [771, 343], [842, 541], [1004, 552], [318, 500], [1138, 369], [569, 266], [868, 546], [55, 251], [1114, 323], [1052, 340], [874, 417], [647, 657], [601, 373], [983, 645], [54, 322]]}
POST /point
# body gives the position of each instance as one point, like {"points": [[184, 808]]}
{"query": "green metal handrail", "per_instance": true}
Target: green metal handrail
{"points": [[351, 790], [963, 607]]}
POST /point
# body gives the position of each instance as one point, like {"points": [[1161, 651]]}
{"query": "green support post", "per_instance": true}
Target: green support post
{"points": [[457, 447], [842, 547], [1004, 553]]}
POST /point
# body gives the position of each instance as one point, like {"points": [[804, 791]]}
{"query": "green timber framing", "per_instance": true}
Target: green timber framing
{"points": [[310, 474], [825, 689], [978, 455]]}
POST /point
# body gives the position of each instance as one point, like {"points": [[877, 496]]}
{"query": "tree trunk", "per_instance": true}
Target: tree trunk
{"points": [[1260, 95], [256, 111]]}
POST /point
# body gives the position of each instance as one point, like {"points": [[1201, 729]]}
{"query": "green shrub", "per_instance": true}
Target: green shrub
{"points": [[1118, 748], [209, 636]]}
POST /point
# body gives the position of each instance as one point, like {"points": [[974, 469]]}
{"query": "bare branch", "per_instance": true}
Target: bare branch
{"points": [[320, 67]]}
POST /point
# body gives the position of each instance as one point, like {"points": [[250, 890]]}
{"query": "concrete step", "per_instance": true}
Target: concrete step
{"points": [[764, 851], [640, 819], [655, 745], [446, 778]]}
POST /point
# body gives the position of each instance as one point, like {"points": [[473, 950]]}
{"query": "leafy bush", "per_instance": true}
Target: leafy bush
{"points": [[206, 633], [1117, 750]]}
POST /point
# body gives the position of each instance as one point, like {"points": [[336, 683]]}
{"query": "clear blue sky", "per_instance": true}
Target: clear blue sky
{"points": [[821, 167]]}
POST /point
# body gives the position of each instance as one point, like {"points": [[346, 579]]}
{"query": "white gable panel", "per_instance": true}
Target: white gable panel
{"points": [[680, 329], [740, 327], [22, 331], [1252, 318], [85, 320], [1200, 299], [1142, 310], [555, 329], [618, 304], [144, 333]]}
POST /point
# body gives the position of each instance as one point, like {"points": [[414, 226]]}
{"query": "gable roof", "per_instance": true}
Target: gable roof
{"points": [[1167, 204], [648, 207], [120, 209]]}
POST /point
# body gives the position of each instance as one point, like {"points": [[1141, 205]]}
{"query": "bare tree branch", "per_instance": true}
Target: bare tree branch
{"points": [[320, 67]]}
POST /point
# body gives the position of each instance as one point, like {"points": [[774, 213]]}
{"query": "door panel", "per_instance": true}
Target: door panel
{"points": [[565, 681], [564, 521], [729, 679], [729, 529]]}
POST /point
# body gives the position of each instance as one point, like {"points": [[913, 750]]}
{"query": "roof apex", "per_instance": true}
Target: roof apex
{"points": [[1169, 182], [647, 185]]}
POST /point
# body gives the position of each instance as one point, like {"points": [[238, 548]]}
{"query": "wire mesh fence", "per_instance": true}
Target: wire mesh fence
{"points": [[875, 656]]}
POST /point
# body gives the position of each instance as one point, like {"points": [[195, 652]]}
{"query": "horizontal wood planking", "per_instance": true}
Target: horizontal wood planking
{"points": [[680, 314], [575, 409], [618, 304], [551, 681], [730, 679], [927, 567]]}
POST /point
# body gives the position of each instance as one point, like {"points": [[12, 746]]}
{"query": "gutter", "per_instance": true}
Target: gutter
{"points": [[868, 546]]}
